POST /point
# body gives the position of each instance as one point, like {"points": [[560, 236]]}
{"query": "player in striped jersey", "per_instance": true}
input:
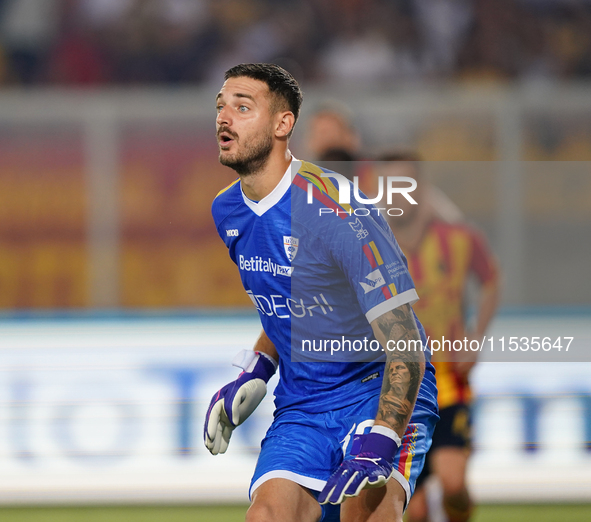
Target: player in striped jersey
{"points": [[443, 252], [317, 269]]}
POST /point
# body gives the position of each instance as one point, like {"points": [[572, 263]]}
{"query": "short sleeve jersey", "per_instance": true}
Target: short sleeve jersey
{"points": [[319, 271], [448, 255]]}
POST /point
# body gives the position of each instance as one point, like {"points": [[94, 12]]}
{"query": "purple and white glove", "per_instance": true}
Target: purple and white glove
{"points": [[234, 403], [371, 467]]}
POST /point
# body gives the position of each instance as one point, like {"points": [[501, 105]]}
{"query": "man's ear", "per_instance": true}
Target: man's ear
{"points": [[285, 122]]}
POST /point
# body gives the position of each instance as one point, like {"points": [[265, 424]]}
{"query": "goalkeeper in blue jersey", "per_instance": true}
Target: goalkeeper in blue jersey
{"points": [[355, 405]]}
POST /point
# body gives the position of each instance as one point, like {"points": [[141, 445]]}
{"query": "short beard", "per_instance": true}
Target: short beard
{"points": [[253, 159], [404, 220]]}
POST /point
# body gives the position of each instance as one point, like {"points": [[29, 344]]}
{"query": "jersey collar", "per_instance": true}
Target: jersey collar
{"points": [[270, 200]]}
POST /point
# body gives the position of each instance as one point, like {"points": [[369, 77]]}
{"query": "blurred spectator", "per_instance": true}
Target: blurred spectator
{"points": [[99, 42], [358, 54], [28, 28], [249, 35], [444, 24], [103, 13], [77, 57]]}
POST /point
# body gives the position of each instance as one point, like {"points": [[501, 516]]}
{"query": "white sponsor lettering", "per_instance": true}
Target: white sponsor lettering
{"points": [[232, 232], [395, 268], [258, 264], [274, 304]]}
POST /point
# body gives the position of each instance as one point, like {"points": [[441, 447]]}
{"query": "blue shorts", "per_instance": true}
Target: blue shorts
{"points": [[307, 448]]}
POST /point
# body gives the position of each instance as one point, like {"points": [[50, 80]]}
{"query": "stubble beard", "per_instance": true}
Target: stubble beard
{"points": [[251, 160], [405, 220]]}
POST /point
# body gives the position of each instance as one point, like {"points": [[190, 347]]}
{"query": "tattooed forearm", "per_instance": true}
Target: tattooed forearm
{"points": [[404, 368]]}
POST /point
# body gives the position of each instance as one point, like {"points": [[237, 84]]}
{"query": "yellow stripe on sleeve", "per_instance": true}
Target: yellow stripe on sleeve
{"points": [[376, 253]]}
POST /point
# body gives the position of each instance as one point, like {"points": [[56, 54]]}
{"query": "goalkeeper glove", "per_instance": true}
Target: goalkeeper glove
{"points": [[370, 468], [234, 403]]}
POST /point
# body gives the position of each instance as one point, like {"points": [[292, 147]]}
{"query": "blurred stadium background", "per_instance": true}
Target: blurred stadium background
{"points": [[119, 307]]}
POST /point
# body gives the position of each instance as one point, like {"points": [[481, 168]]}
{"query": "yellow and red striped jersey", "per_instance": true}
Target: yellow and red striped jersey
{"points": [[447, 256]]}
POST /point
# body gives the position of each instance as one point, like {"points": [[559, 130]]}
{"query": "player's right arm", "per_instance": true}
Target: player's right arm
{"points": [[266, 346], [484, 266], [234, 403]]}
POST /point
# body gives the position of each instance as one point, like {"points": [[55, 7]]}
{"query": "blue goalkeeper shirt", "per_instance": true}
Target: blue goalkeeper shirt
{"points": [[319, 272]]}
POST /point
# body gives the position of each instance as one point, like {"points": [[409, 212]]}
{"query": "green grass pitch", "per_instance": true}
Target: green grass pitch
{"points": [[235, 513]]}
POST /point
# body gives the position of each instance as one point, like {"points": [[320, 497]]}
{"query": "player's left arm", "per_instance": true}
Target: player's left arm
{"points": [[484, 265], [404, 370], [398, 333], [488, 302]]}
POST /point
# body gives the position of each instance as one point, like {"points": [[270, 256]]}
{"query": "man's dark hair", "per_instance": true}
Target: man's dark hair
{"points": [[282, 85], [404, 156], [336, 154], [400, 155]]}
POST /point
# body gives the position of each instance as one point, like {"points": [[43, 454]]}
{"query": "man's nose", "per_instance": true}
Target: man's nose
{"points": [[223, 116]]}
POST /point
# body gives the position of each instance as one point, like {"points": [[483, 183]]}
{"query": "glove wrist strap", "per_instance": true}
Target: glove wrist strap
{"points": [[260, 364], [382, 441], [387, 432]]}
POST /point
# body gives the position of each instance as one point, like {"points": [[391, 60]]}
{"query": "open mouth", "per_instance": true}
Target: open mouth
{"points": [[225, 139]]}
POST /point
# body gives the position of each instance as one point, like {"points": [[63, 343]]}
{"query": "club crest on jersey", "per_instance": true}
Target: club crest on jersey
{"points": [[290, 244], [357, 227]]}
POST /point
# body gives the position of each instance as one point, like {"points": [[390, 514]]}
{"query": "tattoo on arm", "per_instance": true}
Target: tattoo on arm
{"points": [[404, 368]]}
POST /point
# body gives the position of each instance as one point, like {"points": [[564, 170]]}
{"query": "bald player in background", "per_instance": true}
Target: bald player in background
{"points": [[333, 140], [331, 134], [443, 253]]}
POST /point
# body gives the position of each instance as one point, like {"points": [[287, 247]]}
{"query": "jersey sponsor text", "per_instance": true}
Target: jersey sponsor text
{"points": [[258, 264]]}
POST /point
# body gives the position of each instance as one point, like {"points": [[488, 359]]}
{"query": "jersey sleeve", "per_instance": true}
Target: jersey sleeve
{"points": [[365, 249]]}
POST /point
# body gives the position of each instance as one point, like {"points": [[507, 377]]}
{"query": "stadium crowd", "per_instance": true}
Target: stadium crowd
{"points": [[122, 42]]}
